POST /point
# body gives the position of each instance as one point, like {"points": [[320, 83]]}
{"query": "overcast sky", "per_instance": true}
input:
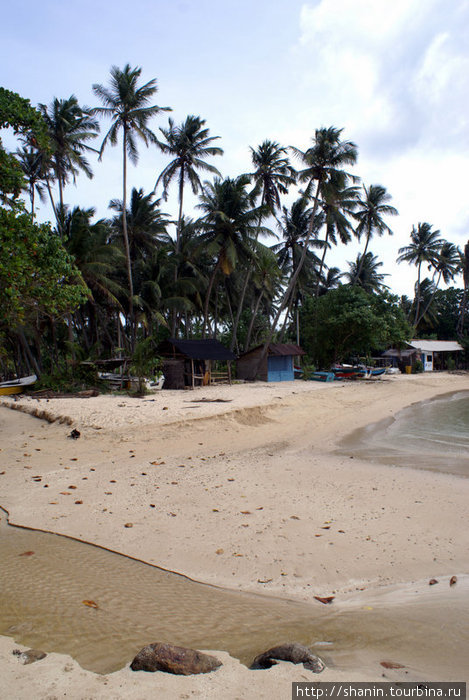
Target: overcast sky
{"points": [[392, 73]]}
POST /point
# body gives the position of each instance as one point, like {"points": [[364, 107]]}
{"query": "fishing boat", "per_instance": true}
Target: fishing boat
{"points": [[16, 386], [348, 371]]}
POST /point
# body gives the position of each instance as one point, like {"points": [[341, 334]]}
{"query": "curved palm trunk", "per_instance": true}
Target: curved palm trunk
{"points": [[326, 241], [360, 267], [51, 197], [417, 297], [174, 315], [207, 297], [247, 279], [251, 322], [126, 240], [292, 283], [430, 301]]}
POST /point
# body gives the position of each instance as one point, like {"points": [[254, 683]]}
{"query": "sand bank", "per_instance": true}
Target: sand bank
{"points": [[245, 492]]}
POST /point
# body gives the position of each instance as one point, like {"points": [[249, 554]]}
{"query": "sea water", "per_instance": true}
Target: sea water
{"points": [[432, 434]]}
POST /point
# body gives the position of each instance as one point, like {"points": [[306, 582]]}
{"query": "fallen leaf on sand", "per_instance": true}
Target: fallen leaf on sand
{"points": [[174, 483], [266, 580], [78, 503], [230, 479], [128, 525], [326, 527], [215, 510], [65, 493], [453, 580], [219, 551], [90, 604], [432, 581], [25, 554], [294, 517], [237, 554], [246, 512], [52, 503], [391, 664], [71, 487], [327, 600], [152, 505]]}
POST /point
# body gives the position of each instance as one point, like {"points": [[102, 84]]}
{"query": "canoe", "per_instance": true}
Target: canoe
{"points": [[322, 377], [16, 386]]}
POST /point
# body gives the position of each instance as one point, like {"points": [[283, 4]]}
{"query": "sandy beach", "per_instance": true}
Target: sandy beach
{"points": [[239, 486]]}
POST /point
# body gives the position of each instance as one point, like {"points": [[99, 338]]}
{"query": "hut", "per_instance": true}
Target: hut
{"points": [[190, 363], [434, 353], [276, 366]]}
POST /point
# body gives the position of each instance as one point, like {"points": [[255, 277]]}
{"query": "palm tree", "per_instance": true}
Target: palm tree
{"points": [[464, 262], [338, 203], [324, 160], [272, 177], [364, 273], [146, 223], [189, 144], [371, 210], [229, 226], [32, 163], [447, 265], [69, 127], [126, 103], [424, 248]]}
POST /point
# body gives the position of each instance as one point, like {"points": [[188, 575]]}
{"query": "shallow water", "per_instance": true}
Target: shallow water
{"points": [[431, 435], [45, 578]]}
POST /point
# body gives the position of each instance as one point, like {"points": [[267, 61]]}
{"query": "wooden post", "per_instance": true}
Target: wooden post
{"points": [[192, 372]]}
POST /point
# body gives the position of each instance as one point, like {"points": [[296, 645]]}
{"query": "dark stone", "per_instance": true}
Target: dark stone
{"points": [[29, 656], [295, 653], [171, 659]]}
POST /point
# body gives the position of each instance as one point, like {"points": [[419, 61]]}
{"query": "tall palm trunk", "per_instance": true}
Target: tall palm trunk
{"points": [[435, 287], [208, 295], [321, 265], [253, 318], [362, 259], [126, 239], [417, 296], [247, 279]]}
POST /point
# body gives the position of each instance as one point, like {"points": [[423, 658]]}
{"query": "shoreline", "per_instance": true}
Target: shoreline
{"points": [[256, 477]]}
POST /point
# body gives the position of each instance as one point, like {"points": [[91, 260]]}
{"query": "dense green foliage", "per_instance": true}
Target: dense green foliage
{"points": [[347, 323], [37, 276]]}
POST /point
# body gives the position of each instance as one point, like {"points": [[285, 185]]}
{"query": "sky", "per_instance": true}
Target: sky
{"points": [[393, 74]]}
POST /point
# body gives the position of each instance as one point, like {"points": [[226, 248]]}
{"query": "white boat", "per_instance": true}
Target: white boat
{"points": [[16, 386]]}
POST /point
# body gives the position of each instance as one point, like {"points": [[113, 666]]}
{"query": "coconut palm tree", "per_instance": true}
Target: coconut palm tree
{"points": [[324, 160], [33, 166], [272, 177], [339, 201], [189, 145], [447, 265], [229, 225], [70, 127], [372, 207], [146, 223], [424, 247], [364, 273], [127, 105]]}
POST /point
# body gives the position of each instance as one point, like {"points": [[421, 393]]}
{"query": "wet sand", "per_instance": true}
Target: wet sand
{"points": [[246, 493]]}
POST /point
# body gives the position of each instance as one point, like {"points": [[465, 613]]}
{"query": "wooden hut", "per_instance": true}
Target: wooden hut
{"points": [[190, 363], [276, 366]]}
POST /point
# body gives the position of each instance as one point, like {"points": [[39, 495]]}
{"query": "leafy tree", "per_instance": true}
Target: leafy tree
{"points": [[351, 323], [126, 104], [17, 113], [36, 273]]}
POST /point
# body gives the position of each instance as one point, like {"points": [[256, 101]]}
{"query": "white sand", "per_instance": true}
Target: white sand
{"points": [[242, 492]]}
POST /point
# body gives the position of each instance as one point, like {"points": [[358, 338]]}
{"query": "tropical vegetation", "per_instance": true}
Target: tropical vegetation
{"points": [[251, 262]]}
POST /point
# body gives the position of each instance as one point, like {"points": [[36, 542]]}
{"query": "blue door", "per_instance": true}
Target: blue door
{"points": [[280, 368]]}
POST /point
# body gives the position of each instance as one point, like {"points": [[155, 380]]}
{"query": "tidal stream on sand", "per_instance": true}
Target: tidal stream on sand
{"points": [[45, 579]]}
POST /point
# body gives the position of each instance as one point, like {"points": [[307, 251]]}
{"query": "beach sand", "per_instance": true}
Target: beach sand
{"points": [[239, 486]]}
